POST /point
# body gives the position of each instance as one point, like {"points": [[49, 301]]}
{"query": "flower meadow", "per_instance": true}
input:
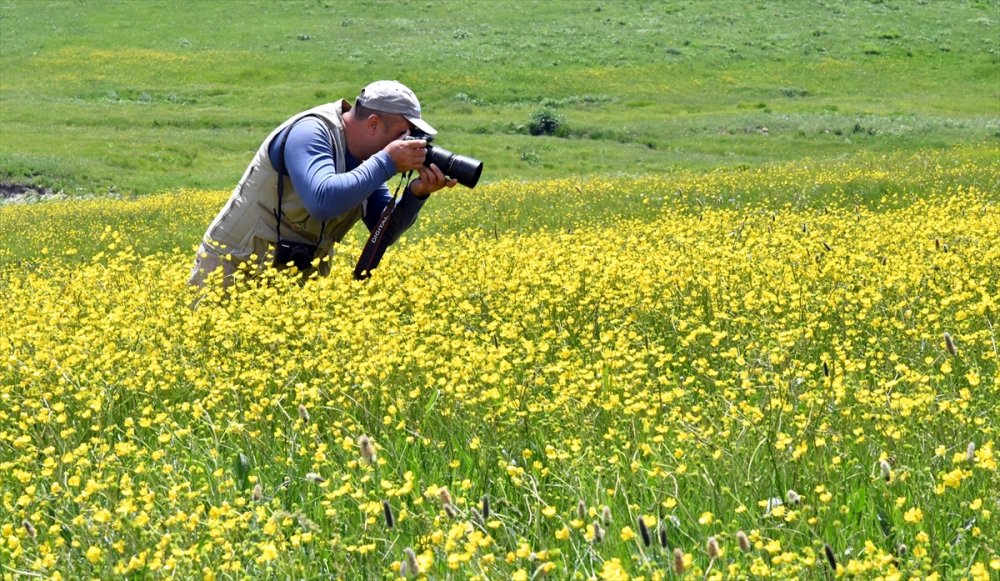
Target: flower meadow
{"points": [[676, 381]]}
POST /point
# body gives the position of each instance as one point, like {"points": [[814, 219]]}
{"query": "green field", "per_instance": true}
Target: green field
{"points": [[144, 96]]}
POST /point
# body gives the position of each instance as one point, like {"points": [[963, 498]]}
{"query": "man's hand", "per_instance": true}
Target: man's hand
{"points": [[407, 154], [431, 180]]}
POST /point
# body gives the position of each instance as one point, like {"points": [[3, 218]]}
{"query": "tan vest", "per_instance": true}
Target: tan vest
{"points": [[246, 226]]}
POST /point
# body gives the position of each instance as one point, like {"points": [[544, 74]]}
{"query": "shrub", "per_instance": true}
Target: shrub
{"points": [[547, 122]]}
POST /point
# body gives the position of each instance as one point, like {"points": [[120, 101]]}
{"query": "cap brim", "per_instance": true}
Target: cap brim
{"points": [[422, 125]]}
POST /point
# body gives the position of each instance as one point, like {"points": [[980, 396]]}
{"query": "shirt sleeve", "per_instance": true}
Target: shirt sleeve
{"points": [[309, 162]]}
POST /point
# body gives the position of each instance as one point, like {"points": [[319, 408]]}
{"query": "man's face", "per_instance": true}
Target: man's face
{"points": [[385, 128]]}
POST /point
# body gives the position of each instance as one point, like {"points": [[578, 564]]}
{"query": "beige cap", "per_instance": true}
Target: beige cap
{"points": [[396, 98]]}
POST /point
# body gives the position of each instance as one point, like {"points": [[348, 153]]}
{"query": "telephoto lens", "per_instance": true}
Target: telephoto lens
{"points": [[463, 168]]}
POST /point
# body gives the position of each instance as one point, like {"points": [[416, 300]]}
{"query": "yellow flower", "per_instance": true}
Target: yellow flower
{"points": [[954, 478], [978, 572], [612, 570], [914, 515], [684, 332], [268, 552]]}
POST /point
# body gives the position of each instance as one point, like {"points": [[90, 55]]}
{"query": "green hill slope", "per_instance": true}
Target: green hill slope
{"points": [[145, 96]]}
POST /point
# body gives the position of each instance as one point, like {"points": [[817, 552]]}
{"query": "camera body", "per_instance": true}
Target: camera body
{"points": [[297, 253], [460, 167]]}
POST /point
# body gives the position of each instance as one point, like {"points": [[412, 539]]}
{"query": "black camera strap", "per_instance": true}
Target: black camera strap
{"points": [[281, 182], [373, 250]]}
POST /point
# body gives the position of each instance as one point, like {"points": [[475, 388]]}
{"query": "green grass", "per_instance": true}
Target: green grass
{"points": [[149, 96]]}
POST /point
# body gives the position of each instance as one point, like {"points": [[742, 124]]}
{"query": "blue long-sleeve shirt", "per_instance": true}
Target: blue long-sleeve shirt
{"points": [[309, 163]]}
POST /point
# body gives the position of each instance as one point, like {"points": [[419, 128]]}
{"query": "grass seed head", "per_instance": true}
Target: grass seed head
{"points": [[445, 496], [486, 507], [581, 509], [606, 515], [410, 560], [258, 493], [29, 528], [367, 449], [949, 343], [886, 470], [450, 510], [390, 521], [970, 452], [793, 497], [743, 540], [678, 561], [644, 532], [303, 414], [315, 478], [598, 532], [901, 550], [713, 548], [830, 558], [663, 535]]}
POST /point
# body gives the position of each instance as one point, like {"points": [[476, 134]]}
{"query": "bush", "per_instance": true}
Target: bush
{"points": [[547, 122]]}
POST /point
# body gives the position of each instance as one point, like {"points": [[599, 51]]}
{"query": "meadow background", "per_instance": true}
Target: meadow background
{"points": [[145, 96], [733, 318]]}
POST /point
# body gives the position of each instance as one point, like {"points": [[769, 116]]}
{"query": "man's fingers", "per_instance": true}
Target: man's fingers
{"points": [[407, 154], [431, 179], [438, 174], [440, 180]]}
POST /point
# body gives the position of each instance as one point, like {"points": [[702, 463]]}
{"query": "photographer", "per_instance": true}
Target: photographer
{"points": [[314, 177]]}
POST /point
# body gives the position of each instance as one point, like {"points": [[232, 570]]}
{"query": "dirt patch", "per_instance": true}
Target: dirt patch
{"points": [[9, 190]]}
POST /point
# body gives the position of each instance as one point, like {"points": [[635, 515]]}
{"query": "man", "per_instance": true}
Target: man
{"points": [[333, 162]]}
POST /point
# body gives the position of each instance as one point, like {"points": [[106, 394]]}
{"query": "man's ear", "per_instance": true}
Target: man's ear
{"points": [[372, 124]]}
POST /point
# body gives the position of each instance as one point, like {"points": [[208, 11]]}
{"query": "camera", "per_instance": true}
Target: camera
{"points": [[463, 168], [297, 253]]}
